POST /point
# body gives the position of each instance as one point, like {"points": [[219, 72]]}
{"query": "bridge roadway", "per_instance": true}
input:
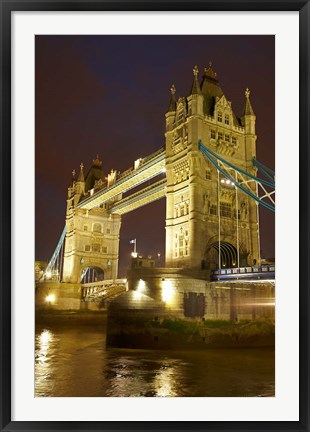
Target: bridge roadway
{"points": [[149, 167]]}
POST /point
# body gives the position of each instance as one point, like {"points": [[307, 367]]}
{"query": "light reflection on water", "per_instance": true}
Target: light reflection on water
{"points": [[74, 362]]}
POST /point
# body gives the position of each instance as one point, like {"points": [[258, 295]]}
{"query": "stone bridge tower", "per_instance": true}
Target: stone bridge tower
{"points": [[92, 236], [198, 198]]}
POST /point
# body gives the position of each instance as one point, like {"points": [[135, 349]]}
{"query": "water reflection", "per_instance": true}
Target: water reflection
{"points": [[44, 354], [74, 362], [164, 381]]}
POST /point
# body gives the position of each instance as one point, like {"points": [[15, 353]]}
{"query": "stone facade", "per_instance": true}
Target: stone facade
{"points": [[193, 197], [92, 236]]}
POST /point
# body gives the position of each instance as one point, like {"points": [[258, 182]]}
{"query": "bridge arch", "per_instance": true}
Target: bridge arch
{"points": [[226, 251], [92, 274]]}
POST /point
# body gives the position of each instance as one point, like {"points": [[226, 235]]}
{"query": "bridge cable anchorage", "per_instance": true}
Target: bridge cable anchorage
{"points": [[53, 270], [262, 191]]}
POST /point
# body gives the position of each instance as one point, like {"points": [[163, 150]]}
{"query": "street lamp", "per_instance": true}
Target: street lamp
{"points": [[134, 254]]}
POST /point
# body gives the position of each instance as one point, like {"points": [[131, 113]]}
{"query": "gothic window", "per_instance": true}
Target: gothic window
{"points": [[227, 119], [85, 228], [213, 134], [234, 140], [108, 231], [180, 113], [208, 174], [227, 139], [186, 208], [104, 249], [182, 210], [96, 247], [87, 248], [225, 209], [213, 209], [97, 227], [186, 247], [220, 135], [220, 116], [238, 214]]}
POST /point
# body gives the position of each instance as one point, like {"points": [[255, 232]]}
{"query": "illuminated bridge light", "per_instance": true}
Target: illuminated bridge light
{"points": [[167, 291]]}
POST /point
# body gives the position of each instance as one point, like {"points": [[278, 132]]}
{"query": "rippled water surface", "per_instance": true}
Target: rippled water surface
{"points": [[74, 362]]}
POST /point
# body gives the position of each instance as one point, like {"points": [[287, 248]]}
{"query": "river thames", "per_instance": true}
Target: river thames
{"points": [[72, 361]]}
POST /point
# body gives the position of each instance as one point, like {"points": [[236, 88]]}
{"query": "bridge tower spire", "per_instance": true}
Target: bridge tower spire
{"points": [[194, 199]]}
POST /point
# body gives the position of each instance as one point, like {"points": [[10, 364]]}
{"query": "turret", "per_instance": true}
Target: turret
{"points": [[170, 115], [79, 185], [248, 117], [248, 120], [195, 99]]}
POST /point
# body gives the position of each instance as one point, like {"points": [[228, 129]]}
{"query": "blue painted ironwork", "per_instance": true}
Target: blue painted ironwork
{"points": [[269, 173], [255, 272], [215, 159], [51, 265]]}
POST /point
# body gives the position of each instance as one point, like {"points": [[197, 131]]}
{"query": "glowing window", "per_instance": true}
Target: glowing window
{"points": [[213, 209], [225, 209]]}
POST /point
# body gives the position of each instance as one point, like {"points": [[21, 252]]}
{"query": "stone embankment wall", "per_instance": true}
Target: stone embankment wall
{"points": [[179, 293], [57, 296], [189, 294]]}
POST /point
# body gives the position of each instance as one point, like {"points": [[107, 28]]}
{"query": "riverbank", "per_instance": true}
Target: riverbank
{"points": [[57, 318], [166, 333], [190, 334]]}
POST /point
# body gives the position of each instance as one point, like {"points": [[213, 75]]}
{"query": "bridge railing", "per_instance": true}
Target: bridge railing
{"points": [[94, 288], [235, 272]]}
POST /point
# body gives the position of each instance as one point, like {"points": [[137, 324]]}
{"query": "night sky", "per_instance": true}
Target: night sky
{"points": [[108, 95]]}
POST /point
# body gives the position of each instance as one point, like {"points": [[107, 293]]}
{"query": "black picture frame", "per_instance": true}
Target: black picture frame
{"points": [[6, 8]]}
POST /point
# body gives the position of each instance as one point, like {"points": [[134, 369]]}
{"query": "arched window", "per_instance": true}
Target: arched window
{"points": [[97, 227]]}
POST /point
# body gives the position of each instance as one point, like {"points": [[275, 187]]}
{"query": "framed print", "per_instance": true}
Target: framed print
{"points": [[147, 282]]}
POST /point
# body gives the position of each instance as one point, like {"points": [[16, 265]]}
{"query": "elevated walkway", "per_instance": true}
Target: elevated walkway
{"points": [[145, 196], [149, 167]]}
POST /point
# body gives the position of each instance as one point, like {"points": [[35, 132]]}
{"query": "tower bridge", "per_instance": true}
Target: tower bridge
{"points": [[209, 178]]}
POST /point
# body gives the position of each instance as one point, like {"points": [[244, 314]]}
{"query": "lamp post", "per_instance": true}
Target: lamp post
{"points": [[134, 253]]}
